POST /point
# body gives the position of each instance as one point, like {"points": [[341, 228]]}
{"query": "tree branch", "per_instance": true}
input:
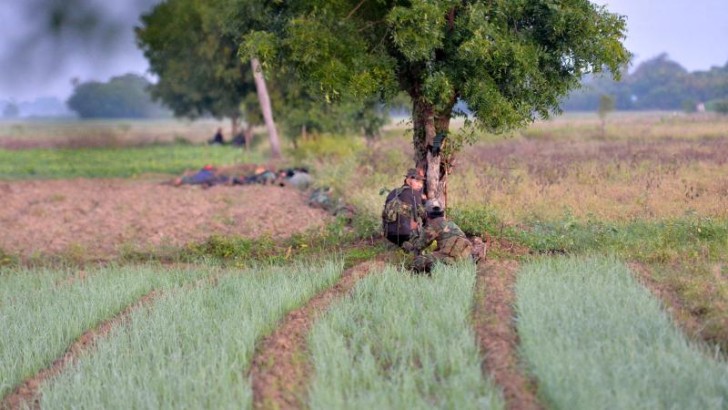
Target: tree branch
{"points": [[351, 13]]}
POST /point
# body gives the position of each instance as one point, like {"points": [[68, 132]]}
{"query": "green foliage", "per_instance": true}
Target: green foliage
{"points": [[719, 106], [194, 54], [327, 147], [606, 105], [445, 51], [594, 338], [7, 259], [648, 241], [115, 162], [121, 97], [11, 110], [401, 341], [191, 348]]}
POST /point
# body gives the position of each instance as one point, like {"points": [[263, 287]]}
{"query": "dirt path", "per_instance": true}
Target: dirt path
{"points": [[675, 307], [496, 333], [27, 394], [280, 369], [101, 218]]}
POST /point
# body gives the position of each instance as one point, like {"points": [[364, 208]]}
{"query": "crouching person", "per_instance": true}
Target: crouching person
{"points": [[452, 244]]}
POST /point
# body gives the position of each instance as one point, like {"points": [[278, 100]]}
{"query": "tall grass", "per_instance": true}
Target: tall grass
{"points": [[596, 339], [43, 312], [191, 349], [401, 341]]}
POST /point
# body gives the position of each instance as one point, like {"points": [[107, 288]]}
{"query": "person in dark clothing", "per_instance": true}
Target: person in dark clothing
{"points": [[238, 140], [217, 138], [403, 210], [207, 176]]}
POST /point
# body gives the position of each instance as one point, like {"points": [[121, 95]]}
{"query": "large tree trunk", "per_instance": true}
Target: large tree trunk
{"points": [[426, 124], [265, 107]]}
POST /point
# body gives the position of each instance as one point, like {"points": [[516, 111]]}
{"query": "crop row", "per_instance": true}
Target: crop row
{"points": [[402, 341], [191, 348], [594, 338], [591, 337], [41, 313]]}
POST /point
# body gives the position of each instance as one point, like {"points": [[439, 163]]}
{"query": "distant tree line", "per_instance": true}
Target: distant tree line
{"points": [[656, 84], [126, 96]]}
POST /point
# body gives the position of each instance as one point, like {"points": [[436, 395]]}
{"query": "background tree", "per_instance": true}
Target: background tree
{"points": [[508, 60], [192, 46], [121, 97], [198, 69], [11, 110], [656, 84], [606, 105]]}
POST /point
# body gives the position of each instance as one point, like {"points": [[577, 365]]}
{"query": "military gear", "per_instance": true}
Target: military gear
{"points": [[414, 173], [321, 198], [433, 206], [437, 143], [401, 208], [452, 244], [479, 249]]}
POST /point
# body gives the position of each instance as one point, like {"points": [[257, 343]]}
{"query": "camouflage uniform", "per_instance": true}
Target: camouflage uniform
{"points": [[452, 244], [396, 219]]}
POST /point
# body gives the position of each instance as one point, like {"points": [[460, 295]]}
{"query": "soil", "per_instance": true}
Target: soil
{"points": [[496, 333], [689, 323], [280, 370], [100, 218]]}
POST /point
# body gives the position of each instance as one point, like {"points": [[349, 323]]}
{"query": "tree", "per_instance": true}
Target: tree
{"points": [[509, 60], [125, 96], [197, 65], [192, 47], [11, 110], [606, 105]]}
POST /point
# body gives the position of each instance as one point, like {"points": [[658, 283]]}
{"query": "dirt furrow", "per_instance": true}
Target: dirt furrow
{"points": [[27, 394], [496, 333], [280, 369], [680, 314]]}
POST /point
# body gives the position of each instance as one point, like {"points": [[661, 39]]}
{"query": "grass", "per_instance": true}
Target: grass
{"points": [[401, 341], [191, 349], [43, 312], [117, 162], [596, 339]]}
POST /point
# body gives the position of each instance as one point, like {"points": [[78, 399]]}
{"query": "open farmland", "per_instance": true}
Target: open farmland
{"points": [[606, 284]]}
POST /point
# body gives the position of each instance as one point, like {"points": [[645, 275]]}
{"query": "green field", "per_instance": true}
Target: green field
{"points": [[621, 286]]}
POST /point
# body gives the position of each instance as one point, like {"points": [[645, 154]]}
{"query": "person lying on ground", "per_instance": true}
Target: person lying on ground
{"points": [[261, 176], [295, 177], [207, 176]]}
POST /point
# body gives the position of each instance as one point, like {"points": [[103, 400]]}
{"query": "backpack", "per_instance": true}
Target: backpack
{"points": [[394, 209]]}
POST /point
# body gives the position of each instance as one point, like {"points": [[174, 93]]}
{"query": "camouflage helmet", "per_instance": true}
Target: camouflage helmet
{"points": [[414, 173], [433, 207]]}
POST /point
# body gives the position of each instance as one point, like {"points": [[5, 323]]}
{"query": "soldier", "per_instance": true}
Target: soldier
{"points": [[217, 139], [403, 210], [452, 244]]}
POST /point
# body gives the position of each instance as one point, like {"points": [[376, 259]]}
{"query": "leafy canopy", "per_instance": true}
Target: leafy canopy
{"points": [[194, 54], [509, 60]]}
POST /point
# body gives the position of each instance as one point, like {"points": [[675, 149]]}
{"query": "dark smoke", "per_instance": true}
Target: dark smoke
{"points": [[48, 42]]}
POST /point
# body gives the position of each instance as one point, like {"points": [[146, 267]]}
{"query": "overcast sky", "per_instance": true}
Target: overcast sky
{"points": [[34, 63]]}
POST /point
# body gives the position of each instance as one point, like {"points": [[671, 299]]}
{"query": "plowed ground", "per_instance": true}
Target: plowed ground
{"points": [[98, 219]]}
